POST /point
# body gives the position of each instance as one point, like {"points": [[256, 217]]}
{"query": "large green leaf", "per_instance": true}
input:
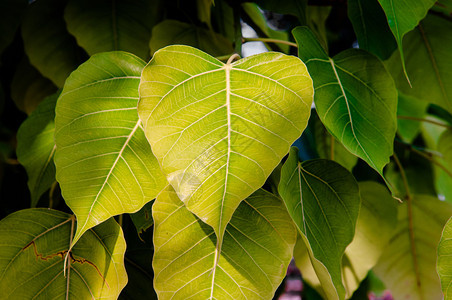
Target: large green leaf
{"points": [[104, 164], [329, 147], [170, 32], [323, 199], [34, 243], [11, 12], [376, 222], [428, 62], [444, 263], [257, 248], [48, 44], [403, 16], [355, 98], [218, 130], [371, 27], [408, 264], [29, 87], [36, 147], [107, 25]]}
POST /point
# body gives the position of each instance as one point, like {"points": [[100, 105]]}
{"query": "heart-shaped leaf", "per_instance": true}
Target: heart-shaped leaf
{"points": [[427, 46], [403, 16], [257, 248], [105, 25], [36, 148], [444, 263], [218, 130], [48, 44], [34, 243], [408, 265], [322, 198], [355, 98], [104, 164]]}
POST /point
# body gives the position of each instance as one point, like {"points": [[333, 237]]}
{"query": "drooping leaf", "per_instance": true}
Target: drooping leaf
{"points": [[171, 32], [408, 264], [444, 263], [36, 148], [104, 164], [257, 248], [34, 242], [29, 87], [107, 25], [218, 130], [371, 27], [142, 219], [323, 200], [329, 147], [376, 222], [11, 12], [402, 17], [48, 44], [428, 62], [409, 107], [355, 98]]}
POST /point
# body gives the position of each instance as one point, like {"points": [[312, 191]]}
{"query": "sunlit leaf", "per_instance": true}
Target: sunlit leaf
{"points": [[428, 62], [104, 164], [171, 32], [257, 248], [36, 148], [444, 263], [323, 199], [371, 27], [355, 98], [408, 264], [48, 44], [105, 25], [33, 244], [29, 87], [11, 12], [218, 130], [403, 16]]}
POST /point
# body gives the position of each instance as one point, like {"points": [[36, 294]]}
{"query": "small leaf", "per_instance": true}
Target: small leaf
{"points": [[408, 264], [355, 98], [371, 27], [105, 25], [48, 44], [444, 263], [428, 62], [218, 130], [323, 199], [34, 242], [104, 164], [36, 148], [257, 248], [170, 32], [403, 16], [11, 12]]}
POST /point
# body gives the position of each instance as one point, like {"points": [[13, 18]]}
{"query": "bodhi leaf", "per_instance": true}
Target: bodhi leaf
{"points": [[104, 164], [219, 130], [36, 148], [34, 242], [171, 32], [444, 263], [371, 27], [48, 44], [403, 16], [107, 25], [257, 248], [323, 200], [408, 264], [427, 46], [355, 98]]}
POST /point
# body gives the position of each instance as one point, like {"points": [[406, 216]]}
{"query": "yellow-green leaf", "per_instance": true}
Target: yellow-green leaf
{"points": [[444, 263]]}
